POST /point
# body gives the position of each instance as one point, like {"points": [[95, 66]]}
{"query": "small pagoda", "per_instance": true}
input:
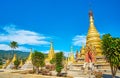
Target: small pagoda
{"points": [[51, 54], [11, 64], [71, 59], [80, 56], [21, 63], [71, 56], [28, 64], [6, 63]]}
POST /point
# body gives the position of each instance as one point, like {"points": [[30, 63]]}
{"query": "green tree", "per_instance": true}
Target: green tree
{"points": [[1, 62], [13, 45], [59, 62], [52, 61], [38, 60], [16, 63], [111, 50]]}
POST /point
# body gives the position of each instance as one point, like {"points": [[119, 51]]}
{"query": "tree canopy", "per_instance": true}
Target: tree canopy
{"points": [[38, 60], [59, 62], [13, 44], [111, 50], [16, 63]]}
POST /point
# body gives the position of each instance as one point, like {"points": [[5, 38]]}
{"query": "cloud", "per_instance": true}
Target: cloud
{"points": [[79, 40], [22, 36], [7, 47], [66, 53]]}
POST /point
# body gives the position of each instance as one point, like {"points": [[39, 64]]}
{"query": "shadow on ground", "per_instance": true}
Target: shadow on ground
{"points": [[109, 76]]}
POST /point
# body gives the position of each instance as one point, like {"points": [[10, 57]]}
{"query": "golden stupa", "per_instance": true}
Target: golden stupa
{"points": [[81, 56], [71, 55], [28, 64], [82, 52], [6, 63], [11, 64], [21, 63], [51, 53], [93, 41], [14, 58], [29, 59], [93, 37]]}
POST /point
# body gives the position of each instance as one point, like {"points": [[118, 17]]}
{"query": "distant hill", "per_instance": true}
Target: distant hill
{"points": [[5, 54]]}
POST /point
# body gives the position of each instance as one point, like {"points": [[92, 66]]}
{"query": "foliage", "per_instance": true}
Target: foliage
{"points": [[59, 62], [38, 60], [52, 61], [1, 62], [98, 74], [16, 63], [111, 50], [23, 60], [46, 55], [13, 45]]}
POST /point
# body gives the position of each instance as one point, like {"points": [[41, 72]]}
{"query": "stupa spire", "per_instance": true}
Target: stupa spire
{"points": [[30, 55], [83, 50], [28, 64], [91, 17], [14, 58], [92, 27], [51, 51], [51, 45], [21, 63], [93, 37], [71, 55]]}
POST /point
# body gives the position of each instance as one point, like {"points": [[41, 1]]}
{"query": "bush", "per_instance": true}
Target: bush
{"points": [[98, 74], [1, 63], [50, 67], [16, 63]]}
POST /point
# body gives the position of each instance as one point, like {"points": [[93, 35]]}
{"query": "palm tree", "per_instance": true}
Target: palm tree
{"points": [[13, 45]]}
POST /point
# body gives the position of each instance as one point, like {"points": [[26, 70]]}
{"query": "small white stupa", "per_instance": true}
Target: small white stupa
{"points": [[28, 64], [11, 65]]}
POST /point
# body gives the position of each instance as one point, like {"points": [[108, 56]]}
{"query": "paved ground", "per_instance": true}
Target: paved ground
{"points": [[17, 75], [75, 74], [78, 74]]}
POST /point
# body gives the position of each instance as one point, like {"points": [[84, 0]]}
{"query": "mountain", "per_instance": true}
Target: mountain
{"points": [[5, 54]]}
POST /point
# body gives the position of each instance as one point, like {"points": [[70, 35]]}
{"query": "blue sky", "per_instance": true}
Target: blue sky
{"points": [[34, 23]]}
